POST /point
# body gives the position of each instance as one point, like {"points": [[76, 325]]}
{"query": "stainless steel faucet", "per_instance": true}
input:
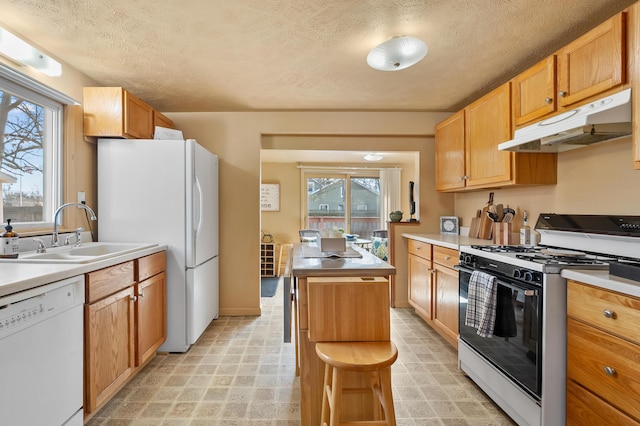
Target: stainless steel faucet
{"points": [[54, 237]]}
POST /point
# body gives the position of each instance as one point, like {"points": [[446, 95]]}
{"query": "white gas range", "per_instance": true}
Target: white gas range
{"points": [[522, 364]]}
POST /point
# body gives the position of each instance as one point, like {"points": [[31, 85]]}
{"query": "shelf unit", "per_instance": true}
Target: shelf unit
{"points": [[267, 259]]}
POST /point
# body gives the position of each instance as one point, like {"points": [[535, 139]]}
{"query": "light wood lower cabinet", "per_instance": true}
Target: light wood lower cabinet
{"points": [[420, 285], [125, 323], [109, 342], [433, 287], [603, 356], [151, 322]]}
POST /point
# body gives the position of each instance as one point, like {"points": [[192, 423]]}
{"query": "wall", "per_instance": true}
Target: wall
{"points": [[598, 179], [237, 139]]}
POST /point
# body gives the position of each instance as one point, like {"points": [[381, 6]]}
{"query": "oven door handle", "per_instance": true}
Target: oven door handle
{"points": [[527, 291]]}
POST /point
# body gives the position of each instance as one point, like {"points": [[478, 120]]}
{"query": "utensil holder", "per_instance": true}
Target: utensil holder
{"points": [[502, 233]]}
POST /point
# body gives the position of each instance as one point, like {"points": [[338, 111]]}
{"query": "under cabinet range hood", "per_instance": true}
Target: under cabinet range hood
{"points": [[606, 119]]}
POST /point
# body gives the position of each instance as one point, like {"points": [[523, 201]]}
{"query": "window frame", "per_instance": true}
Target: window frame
{"points": [[337, 173], [54, 102]]}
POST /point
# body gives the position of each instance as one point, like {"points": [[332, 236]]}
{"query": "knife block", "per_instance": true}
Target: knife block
{"points": [[502, 233]]}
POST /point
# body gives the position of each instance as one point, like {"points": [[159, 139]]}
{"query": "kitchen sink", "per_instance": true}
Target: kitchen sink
{"points": [[86, 253]]}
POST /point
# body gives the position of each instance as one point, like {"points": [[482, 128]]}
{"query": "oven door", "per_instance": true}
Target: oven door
{"points": [[516, 345]]}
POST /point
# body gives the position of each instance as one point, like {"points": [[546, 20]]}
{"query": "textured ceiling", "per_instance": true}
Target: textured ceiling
{"points": [[248, 55]]}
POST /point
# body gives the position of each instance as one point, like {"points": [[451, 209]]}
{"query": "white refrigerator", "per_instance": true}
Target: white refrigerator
{"points": [[166, 192]]}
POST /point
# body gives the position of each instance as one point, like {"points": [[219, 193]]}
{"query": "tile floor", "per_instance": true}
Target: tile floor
{"points": [[240, 373]]}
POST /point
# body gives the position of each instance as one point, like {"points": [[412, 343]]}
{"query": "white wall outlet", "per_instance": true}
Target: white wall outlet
{"points": [[81, 197]]}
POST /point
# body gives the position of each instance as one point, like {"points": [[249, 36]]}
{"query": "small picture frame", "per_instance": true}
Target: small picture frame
{"points": [[270, 197], [449, 225]]}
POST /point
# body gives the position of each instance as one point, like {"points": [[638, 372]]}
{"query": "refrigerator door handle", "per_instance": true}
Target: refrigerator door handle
{"points": [[198, 207]]}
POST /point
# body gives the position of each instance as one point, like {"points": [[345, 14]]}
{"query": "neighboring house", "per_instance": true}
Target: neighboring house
{"points": [[330, 200]]}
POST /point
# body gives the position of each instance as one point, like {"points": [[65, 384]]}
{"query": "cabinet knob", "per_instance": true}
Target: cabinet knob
{"points": [[465, 177], [609, 371], [548, 100], [562, 93], [133, 298], [608, 314], [141, 294], [447, 257]]}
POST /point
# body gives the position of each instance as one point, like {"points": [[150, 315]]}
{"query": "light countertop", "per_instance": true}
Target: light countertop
{"points": [[367, 265], [446, 240], [17, 276], [602, 279]]}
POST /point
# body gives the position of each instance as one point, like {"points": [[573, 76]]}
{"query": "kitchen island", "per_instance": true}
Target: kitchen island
{"points": [[336, 299]]}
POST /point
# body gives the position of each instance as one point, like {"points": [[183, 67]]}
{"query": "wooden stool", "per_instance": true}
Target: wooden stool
{"points": [[373, 357]]}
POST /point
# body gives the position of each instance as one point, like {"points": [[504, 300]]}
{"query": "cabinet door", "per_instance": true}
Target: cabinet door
{"points": [[109, 346], [450, 166], [487, 124], [151, 317], [593, 63], [420, 285], [445, 311], [138, 117], [534, 92]]}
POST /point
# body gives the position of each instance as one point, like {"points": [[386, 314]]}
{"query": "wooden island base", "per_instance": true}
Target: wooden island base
{"points": [[333, 305]]}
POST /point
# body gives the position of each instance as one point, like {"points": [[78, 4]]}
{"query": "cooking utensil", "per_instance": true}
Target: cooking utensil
{"points": [[475, 225], [492, 216], [507, 218]]}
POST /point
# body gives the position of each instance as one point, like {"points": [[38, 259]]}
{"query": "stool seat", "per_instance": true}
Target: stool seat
{"points": [[357, 356], [373, 358]]}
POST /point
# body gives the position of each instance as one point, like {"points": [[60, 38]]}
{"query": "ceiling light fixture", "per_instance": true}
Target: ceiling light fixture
{"points": [[22, 52], [373, 157], [397, 53]]}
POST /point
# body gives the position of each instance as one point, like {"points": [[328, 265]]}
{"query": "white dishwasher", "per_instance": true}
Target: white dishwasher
{"points": [[41, 355]]}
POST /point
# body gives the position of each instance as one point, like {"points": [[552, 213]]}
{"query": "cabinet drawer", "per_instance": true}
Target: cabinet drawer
{"points": [[420, 249], [614, 312], [151, 265], [590, 352], [584, 408], [445, 256], [103, 282]]}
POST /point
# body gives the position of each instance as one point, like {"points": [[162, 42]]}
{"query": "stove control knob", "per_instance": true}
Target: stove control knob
{"points": [[528, 276], [517, 273]]}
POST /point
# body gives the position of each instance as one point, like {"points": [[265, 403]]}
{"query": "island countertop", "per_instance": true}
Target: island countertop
{"points": [[366, 266]]}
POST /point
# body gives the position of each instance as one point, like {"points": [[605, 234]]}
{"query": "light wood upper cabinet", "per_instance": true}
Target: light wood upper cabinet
{"points": [[467, 155], [449, 149], [162, 120], [585, 68], [116, 112], [487, 124], [534, 92], [593, 63]]}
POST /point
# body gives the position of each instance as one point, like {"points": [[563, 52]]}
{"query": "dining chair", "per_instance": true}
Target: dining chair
{"points": [[309, 235]]}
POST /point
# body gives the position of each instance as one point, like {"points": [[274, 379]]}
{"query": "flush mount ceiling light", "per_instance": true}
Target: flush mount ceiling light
{"points": [[397, 53], [373, 157], [22, 52]]}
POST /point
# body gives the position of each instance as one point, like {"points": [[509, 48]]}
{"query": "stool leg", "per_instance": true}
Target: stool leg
{"points": [[336, 397], [387, 396], [374, 378], [326, 390]]}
